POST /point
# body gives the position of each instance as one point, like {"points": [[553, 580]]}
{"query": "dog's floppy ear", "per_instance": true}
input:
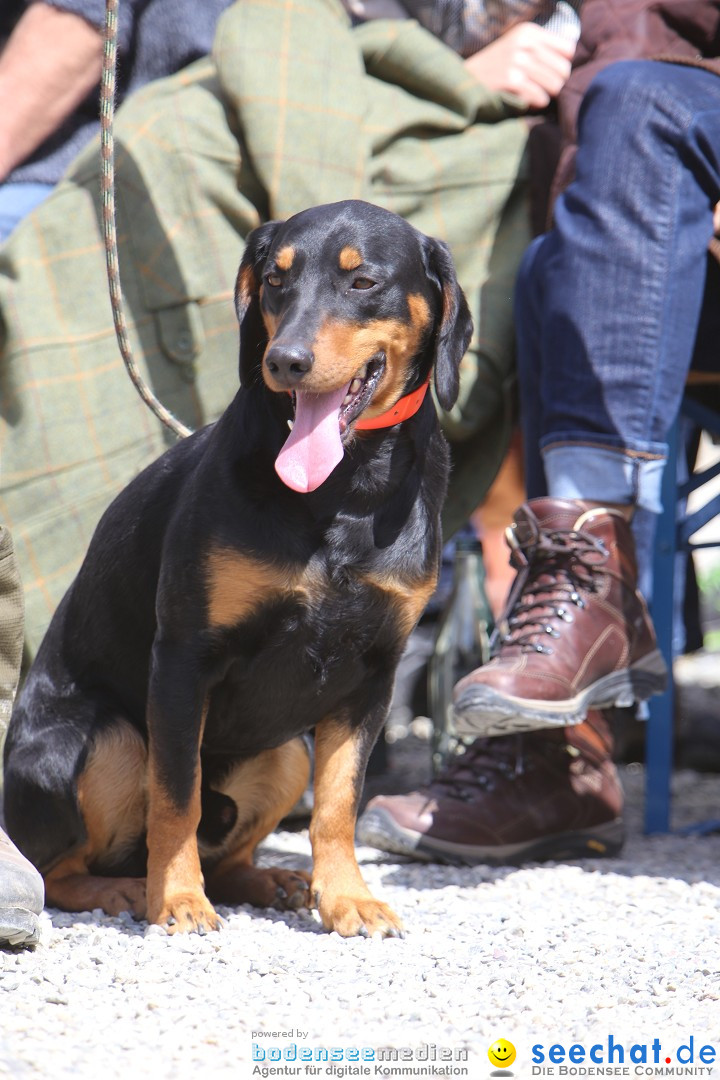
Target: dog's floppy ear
{"points": [[253, 335], [452, 335]]}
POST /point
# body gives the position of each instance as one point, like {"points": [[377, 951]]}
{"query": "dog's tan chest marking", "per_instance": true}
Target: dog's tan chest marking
{"points": [[237, 585], [407, 599]]}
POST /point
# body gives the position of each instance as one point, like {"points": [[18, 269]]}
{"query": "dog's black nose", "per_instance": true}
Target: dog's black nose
{"points": [[288, 364]]}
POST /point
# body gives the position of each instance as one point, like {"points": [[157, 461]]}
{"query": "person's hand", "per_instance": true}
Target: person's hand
{"points": [[528, 61], [716, 219]]}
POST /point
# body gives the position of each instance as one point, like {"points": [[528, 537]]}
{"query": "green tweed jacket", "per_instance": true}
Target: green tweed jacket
{"points": [[293, 108]]}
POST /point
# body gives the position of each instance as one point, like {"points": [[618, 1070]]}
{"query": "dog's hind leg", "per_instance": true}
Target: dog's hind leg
{"points": [[264, 789], [111, 796], [70, 887]]}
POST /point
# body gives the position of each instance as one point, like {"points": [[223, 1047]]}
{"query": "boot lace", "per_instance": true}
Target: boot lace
{"points": [[554, 568], [479, 766]]}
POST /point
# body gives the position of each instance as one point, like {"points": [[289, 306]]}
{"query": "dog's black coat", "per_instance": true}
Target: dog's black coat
{"points": [[134, 636]]}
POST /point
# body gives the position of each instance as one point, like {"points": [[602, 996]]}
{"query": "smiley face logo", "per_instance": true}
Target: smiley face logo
{"points": [[501, 1053]]}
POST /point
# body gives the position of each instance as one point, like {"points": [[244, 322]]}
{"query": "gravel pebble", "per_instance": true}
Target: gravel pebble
{"points": [[534, 954]]}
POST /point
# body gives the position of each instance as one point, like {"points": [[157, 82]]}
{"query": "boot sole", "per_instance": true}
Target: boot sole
{"points": [[480, 710], [18, 926], [377, 828]]}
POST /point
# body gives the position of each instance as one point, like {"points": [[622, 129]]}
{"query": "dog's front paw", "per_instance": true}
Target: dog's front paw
{"points": [[351, 916], [186, 913]]}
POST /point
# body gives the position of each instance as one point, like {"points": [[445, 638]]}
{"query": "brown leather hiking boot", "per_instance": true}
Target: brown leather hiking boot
{"points": [[521, 798], [576, 633]]}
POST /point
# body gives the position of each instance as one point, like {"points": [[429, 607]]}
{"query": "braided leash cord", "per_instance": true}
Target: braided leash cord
{"points": [[107, 150]]}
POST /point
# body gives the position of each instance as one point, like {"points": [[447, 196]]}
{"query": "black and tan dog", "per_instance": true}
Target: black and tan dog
{"points": [[247, 587]]}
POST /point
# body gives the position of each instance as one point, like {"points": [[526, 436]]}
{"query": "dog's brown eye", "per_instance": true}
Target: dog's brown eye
{"points": [[362, 283], [274, 280]]}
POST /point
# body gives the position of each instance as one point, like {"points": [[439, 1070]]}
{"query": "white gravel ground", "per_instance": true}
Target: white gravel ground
{"points": [[552, 954]]}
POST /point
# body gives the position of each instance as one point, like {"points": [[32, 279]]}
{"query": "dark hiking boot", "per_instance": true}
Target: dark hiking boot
{"points": [[22, 895], [521, 798], [576, 634]]}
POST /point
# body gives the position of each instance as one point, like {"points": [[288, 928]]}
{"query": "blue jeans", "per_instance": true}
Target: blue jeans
{"points": [[610, 308], [16, 201]]}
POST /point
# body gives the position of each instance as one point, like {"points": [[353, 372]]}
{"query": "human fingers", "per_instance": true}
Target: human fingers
{"points": [[527, 61], [546, 68]]}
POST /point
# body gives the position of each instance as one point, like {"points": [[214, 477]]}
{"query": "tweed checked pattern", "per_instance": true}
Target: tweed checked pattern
{"points": [[294, 108], [11, 627]]}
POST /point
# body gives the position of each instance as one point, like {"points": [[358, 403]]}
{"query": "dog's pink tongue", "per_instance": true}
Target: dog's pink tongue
{"points": [[314, 448]]}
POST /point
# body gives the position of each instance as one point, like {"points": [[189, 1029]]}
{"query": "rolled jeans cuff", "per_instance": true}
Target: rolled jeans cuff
{"points": [[604, 474]]}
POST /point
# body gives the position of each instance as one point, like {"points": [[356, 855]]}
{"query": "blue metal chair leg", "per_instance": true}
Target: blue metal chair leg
{"points": [[659, 737]]}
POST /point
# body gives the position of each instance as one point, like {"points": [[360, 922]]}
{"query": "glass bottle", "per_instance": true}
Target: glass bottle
{"points": [[461, 645]]}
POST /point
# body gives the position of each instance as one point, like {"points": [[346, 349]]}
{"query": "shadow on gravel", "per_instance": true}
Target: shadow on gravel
{"points": [[302, 921], [694, 860]]}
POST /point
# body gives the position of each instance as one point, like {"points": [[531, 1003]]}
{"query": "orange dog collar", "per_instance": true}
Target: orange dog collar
{"points": [[402, 410]]}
